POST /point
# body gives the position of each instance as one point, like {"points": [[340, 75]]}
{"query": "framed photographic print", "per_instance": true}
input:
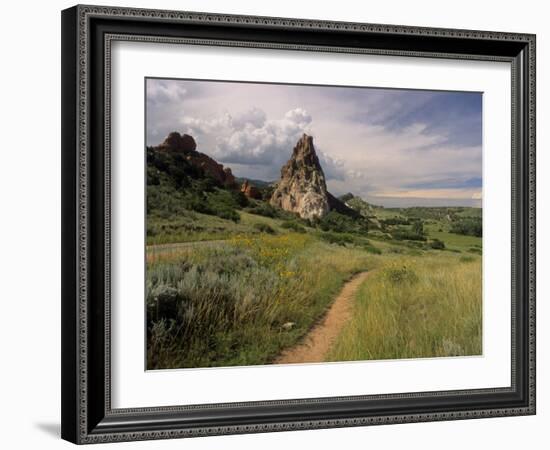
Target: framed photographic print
{"points": [[279, 224]]}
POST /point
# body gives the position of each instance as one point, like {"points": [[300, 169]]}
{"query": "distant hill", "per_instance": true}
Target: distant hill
{"points": [[357, 204], [336, 204], [178, 158], [181, 179], [446, 213]]}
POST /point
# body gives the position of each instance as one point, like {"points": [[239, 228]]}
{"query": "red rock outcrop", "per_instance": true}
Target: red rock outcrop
{"points": [[186, 145], [175, 142], [250, 191]]}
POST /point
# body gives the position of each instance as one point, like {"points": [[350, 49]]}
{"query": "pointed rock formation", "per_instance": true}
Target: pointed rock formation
{"points": [[302, 188]]}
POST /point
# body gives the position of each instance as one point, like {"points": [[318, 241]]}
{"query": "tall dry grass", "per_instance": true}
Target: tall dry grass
{"points": [[232, 304], [423, 307]]}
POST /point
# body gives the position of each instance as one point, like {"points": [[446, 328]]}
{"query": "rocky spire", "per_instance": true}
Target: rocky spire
{"points": [[302, 188]]}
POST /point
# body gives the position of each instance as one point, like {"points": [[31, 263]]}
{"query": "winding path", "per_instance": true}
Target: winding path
{"points": [[316, 344]]}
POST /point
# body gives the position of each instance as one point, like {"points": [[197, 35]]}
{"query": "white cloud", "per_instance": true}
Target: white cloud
{"points": [[298, 115], [253, 118], [253, 128], [248, 137], [162, 92]]}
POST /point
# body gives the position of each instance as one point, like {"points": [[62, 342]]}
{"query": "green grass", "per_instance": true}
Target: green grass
{"points": [[416, 307], [470, 212], [225, 305], [219, 291], [456, 241], [383, 213], [226, 275], [192, 226]]}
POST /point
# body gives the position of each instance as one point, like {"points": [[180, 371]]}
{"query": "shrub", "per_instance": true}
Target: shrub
{"points": [[264, 228], [294, 226], [340, 223], [336, 238], [398, 275], [239, 198], [418, 228], [262, 209], [470, 226], [197, 202], [437, 244], [177, 170], [174, 186], [228, 214], [162, 303], [223, 204], [395, 221], [206, 184], [163, 200], [402, 235], [372, 249]]}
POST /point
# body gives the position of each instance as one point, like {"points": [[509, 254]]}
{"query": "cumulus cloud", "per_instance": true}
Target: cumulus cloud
{"points": [[248, 137], [385, 145], [163, 91], [298, 115], [253, 118], [334, 168]]}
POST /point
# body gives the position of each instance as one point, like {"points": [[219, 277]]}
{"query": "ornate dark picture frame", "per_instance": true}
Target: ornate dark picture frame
{"points": [[87, 34]]}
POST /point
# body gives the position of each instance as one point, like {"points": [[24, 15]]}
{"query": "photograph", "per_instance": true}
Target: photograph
{"points": [[271, 223], [290, 223]]}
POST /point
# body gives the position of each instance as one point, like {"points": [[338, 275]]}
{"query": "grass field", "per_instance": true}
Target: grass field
{"points": [[255, 255], [416, 307], [223, 292], [194, 226], [228, 304]]}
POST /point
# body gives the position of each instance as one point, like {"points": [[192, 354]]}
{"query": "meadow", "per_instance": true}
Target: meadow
{"points": [[416, 307], [242, 301], [262, 284]]}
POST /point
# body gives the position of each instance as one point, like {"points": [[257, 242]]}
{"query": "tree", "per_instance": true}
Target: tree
{"points": [[418, 228]]}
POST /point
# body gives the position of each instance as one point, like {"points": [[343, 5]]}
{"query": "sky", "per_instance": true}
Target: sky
{"points": [[392, 147]]}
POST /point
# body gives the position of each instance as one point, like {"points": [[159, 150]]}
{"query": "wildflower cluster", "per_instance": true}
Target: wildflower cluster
{"points": [[397, 273], [276, 252]]}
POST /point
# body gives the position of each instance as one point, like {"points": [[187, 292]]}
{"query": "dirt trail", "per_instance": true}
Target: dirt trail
{"points": [[318, 341], [178, 245]]}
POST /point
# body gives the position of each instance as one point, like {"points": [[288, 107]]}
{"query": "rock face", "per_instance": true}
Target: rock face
{"points": [[336, 204], [250, 190], [186, 146], [175, 142], [302, 188]]}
